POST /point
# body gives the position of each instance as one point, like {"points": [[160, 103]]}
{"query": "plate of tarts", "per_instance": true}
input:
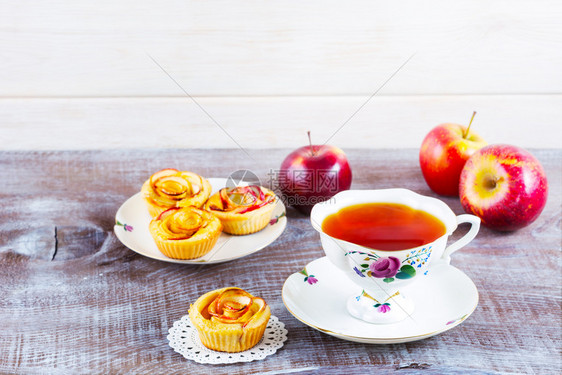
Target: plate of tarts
{"points": [[134, 218]]}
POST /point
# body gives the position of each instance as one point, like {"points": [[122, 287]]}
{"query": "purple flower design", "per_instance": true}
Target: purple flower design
{"points": [[126, 227], [311, 279], [456, 320], [385, 267], [384, 308], [358, 272], [276, 219]]}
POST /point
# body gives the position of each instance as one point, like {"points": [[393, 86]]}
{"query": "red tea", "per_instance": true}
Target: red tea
{"points": [[384, 226]]}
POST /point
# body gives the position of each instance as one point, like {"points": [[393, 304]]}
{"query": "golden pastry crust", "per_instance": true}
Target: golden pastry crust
{"points": [[242, 210], [185, 233], [170, 188], [229, 319]]}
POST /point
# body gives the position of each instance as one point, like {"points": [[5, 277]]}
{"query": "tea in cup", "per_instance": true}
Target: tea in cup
{"points": [[384, 240]]}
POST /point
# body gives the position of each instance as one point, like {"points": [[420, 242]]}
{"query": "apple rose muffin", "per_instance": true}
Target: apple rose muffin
{"points": [[170, 188], [185, 233], [243, 209], [229, 319]]}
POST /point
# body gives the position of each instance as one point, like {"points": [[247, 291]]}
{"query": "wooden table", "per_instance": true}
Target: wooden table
{"points": [[84, 303]]}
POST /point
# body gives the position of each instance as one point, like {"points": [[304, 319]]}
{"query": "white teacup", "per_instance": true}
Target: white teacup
{"points": [[381, 273]]}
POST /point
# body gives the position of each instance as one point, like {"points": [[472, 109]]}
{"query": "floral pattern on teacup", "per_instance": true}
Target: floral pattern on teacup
{"points": [[391, 268], [385, 267], [357, 271]]}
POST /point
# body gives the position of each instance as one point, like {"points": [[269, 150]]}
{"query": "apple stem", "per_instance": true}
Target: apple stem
{"points": [[465, 134], [491, 182], [310, 143]]}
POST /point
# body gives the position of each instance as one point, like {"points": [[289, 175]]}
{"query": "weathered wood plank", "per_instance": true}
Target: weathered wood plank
{"points": [[530, 121], [102, 308]]}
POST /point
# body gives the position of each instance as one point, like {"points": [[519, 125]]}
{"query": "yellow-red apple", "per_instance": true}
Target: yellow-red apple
{"points": [[505, 186], [443, 153]]}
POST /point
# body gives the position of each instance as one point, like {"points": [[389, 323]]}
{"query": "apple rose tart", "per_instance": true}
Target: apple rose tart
{"points": [[229, 319], [185, 233], [243, 209], [172, 188]]}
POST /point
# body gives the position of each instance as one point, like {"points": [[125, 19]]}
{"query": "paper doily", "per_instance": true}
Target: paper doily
{"points": [[184, 339]]}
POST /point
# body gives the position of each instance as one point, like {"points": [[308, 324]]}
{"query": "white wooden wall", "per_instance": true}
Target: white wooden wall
{"points": [[79, 74]]}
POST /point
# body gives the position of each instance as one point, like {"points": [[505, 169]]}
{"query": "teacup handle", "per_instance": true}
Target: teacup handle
{"points": [[475, 226]]}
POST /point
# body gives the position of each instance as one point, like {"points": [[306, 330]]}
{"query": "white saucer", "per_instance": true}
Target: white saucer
{"points": [[317, 297], [132, 221]]}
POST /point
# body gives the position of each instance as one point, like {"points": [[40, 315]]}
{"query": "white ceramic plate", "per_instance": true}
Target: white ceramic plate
{"points": [[132, 221], [443, 300]]}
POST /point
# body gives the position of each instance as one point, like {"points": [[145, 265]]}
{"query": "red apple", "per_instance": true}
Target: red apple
{"points": [[505, 186], [443, 153], [313, 174]]}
